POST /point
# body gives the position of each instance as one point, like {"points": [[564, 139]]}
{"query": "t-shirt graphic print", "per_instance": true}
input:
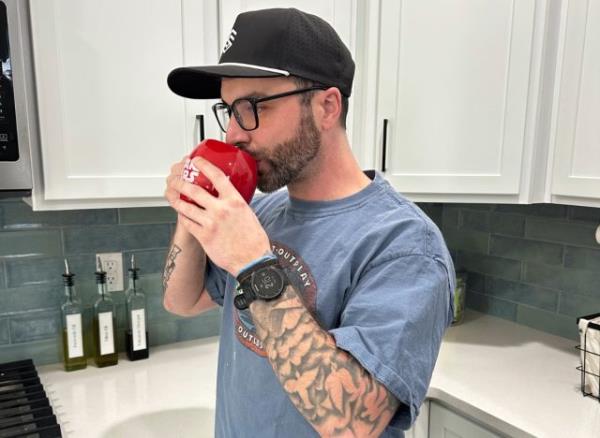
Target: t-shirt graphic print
{"points": [[301, 278]]}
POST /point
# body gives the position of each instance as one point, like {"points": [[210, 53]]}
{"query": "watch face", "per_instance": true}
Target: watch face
{"points": [[267, 283]]}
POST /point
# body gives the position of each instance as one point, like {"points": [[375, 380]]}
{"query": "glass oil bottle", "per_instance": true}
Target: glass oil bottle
{"points": [[105, 351], [136, 334], [72, 332]]}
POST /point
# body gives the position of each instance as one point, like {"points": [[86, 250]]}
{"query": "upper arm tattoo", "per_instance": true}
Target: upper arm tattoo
{"points": [[326, 384], [170, 265]]}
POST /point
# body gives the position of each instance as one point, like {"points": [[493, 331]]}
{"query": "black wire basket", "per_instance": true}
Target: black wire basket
{"points": [[586, 375]]}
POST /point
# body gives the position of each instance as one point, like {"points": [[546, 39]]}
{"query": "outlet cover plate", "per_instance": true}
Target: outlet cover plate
{"points": [[112, 264]]}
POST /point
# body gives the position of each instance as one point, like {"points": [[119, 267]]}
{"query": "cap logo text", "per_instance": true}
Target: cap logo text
{"points": [[230, 40]]}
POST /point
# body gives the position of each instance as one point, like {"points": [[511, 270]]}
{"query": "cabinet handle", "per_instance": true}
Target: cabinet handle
{"points": [[385, 124], [200, 119]]}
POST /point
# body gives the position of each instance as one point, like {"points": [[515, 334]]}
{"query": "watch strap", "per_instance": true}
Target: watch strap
{"points": [[243, 299], [246, 273], [245, 293]]}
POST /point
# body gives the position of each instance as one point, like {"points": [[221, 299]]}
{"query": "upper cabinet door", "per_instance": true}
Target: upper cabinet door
{"points": [[110, 127], [576, 138], [454, 86]]}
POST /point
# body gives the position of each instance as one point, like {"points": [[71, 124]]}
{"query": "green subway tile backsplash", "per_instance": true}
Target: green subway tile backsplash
{"points": [[550, 322], [562, 232], [152, 260], [542, 265], [585, 214], [18, 215], [148, 215], [541, 298], [30, 243], [467, 240], [582, 258], [542, 210], [79, 240], [486, 264], [526, 250], [32, 248], [4, 335], [534, 264], [42, 352], [28, 298], [160, 333], [33, 326], [2, 275], [508, 224], [450, 217], [475, 220], [493, 306], [581, 281], [578, 305], [35, 270]]}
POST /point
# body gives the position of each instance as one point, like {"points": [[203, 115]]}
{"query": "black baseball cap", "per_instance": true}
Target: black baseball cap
{"points": [[272, 43]]}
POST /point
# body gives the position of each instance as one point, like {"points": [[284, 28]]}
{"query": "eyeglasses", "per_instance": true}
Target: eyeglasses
{"points": [[245, 109]]}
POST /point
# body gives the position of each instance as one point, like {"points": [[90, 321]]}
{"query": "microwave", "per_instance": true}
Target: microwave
{"points": [[18, 116]]}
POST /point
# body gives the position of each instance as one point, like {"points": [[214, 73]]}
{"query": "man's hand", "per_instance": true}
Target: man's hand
{"points": [[225, 226], [171, 193]]}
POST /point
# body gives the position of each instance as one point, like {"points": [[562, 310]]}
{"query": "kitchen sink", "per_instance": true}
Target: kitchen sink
{"points": [[175, 423]]}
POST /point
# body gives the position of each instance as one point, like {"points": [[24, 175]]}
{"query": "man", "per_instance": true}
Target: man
{"points": [[336, 292]]}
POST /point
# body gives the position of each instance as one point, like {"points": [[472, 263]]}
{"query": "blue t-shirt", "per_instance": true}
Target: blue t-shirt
{"points": [[375, 273]]}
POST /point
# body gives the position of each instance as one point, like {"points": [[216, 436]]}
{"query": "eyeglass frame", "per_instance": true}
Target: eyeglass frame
{"points": [[254, 101]]}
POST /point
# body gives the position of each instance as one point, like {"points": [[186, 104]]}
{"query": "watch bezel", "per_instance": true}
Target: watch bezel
{"points": [[274, 270]]}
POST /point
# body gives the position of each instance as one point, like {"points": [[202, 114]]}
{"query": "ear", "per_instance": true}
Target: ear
{"points": [[329, 107]]}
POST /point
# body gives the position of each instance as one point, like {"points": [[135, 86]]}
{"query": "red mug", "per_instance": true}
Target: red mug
{"points": [[238, 165]]}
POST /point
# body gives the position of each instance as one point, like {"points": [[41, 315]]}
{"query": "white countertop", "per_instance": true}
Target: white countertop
{"points": [[175, 381], [520, 381]]}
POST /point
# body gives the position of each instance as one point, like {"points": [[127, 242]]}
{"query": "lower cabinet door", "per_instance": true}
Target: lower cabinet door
{"points": [[443, 423]]}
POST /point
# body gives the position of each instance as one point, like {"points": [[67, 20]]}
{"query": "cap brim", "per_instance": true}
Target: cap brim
{"points": [[205, 82]]}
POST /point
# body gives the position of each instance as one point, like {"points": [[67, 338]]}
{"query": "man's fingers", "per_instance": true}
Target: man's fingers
{"points": [[216, 176], [191, 212], [177, 168], [197, 193]]}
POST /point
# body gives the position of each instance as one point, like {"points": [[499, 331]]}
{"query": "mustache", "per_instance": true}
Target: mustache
{"points": [[244, 147]]}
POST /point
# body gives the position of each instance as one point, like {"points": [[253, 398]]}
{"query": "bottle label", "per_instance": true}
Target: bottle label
{"points": [[105, 325], [74, 336], [138, 329]]}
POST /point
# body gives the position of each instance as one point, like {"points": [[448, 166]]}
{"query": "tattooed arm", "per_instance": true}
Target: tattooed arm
{"points": [[327, 385], [183, 277]]}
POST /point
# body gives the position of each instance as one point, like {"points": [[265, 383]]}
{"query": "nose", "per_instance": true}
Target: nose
{"points": [[235, 134]]}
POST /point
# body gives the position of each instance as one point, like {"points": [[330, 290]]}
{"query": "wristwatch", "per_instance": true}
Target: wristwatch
{"points": [[265, 280]]}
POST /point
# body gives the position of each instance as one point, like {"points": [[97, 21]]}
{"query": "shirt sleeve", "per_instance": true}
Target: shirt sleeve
{"points": [[214, 281], [393, 323]]}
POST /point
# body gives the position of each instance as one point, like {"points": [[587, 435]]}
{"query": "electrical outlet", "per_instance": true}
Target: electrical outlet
{"points": [[112, 264]]}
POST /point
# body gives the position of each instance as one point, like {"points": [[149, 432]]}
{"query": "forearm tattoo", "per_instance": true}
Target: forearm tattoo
{"points": [[170, 265], [327, 385]]}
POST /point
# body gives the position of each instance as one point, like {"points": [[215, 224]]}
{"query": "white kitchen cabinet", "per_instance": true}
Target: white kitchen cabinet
{"points": [[458, 91], [489, 102], [109, 126], [344, 16], [576, 134], [444, 423]]}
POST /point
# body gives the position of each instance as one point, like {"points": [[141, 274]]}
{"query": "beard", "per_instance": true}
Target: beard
{"points": [[287, 160]]}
